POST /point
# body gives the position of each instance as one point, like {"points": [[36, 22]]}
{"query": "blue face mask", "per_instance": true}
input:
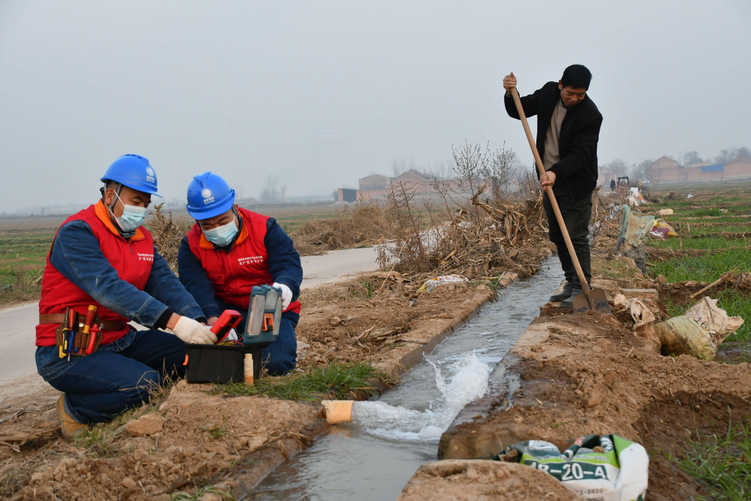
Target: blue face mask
{"points": [[133, 217], [222, 235]]}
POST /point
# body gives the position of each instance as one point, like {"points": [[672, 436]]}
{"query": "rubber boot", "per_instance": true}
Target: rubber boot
{"points": [[564, 294], [569, 302], [69, 426]]}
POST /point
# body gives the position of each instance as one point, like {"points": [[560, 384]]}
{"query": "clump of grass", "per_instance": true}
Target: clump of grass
{"points": [[721, 463], [615, 269], [705, 243], [336, 380], [198, 492], [217, 431], [706, 268]]}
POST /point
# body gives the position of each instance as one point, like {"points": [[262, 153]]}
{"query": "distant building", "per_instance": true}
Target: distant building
{"points": [[665, 170], [346, 195], [374, 182], [378, 186]]}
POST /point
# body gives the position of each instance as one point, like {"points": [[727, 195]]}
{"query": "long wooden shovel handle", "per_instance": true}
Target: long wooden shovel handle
{"points": [[551, 196]]}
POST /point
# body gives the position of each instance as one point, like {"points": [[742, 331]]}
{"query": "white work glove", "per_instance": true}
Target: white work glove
{"points": [[286, 294], [193, 332]]}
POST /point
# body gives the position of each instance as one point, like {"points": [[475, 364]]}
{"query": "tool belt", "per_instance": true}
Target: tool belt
{"points": [[58, 318], [81, 340]]}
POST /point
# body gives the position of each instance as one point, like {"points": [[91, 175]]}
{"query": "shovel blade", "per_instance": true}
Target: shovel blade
{"points": [[599, 302]]}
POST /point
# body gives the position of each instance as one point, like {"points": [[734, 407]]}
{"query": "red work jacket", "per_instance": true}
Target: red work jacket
{"points": [[234, 274], [132, 259]]}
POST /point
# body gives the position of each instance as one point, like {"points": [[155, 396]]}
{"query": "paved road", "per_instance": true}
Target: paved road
{"points": [[17, 323]]}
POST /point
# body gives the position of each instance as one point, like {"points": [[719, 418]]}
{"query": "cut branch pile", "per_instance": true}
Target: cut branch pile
{"points": [[488, 240]]}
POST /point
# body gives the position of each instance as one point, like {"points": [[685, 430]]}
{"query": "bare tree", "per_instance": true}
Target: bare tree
{"points": [[618, 166], [440, 170], [743, 152], [726, 155], [692, 158], [271, 193], [471, 162], [499, 172], [401, 165]]}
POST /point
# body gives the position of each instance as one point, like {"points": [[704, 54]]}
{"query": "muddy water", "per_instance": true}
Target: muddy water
{"points": [[390, 438]]}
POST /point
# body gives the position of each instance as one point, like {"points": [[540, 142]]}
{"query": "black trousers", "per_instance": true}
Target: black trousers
{"points": [[576, 215]]}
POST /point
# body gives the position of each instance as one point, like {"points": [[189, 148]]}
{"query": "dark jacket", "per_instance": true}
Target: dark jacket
{"points": [[576, 172]]}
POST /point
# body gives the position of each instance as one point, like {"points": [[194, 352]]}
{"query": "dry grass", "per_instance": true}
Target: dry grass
{"points": [[168, 233], [359, 225]]}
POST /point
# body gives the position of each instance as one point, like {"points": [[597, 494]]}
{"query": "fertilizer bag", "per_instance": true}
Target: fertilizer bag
{"points": [[698, 332], [597, 468]]}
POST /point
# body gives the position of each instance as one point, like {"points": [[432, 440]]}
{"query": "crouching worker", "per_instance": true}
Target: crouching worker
{"points": [[228, 251], [102, 257]]}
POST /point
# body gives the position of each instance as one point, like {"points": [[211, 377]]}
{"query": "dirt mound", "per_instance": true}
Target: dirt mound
{"points": [[190, 439], [480, 480]]}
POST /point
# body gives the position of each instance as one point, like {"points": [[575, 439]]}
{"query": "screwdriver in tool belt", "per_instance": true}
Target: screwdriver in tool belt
{"points": [[72, 326], [64, 341], [87, 327]]}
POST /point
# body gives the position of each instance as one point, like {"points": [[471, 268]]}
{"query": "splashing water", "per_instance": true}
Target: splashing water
{"points": [[399, 423]]}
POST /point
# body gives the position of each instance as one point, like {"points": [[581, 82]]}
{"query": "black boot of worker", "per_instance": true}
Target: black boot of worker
{"points": [[564, 294], [569, 302]]}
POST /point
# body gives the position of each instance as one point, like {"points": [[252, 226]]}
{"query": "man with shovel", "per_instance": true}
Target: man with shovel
{"points": [[568, 127]]}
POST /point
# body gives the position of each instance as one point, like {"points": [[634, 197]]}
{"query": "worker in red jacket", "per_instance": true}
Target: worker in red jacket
{"points": [[104, 262], [228, 251]]}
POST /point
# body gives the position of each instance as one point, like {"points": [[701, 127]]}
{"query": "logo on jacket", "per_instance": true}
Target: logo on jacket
{"points": [[145, 257], [206, 194], [243, 261]]}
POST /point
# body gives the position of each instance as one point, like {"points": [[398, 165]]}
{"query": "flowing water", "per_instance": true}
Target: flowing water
{"points": [[391, 437]]}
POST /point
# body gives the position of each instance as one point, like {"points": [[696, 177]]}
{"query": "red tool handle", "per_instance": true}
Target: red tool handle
{"points": [[228, 320], [92, 339]]}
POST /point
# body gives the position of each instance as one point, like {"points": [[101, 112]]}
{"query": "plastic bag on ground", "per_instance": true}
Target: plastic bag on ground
{"points": [[597, 468], [444, 279], [698, 332], [634, 226], [662, 229]]}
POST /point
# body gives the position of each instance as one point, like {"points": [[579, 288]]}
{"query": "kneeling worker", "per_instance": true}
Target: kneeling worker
{"points": [[228, 251], [103, 258]]}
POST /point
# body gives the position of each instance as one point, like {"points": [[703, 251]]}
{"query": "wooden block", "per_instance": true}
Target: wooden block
{"points": [[640, 293]]}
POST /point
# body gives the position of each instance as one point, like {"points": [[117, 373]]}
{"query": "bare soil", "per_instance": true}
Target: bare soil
{"points": [[470, 480]]}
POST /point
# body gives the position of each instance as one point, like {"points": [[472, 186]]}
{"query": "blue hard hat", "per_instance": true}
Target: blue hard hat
{"points": [[209, 195], [133, 171]]}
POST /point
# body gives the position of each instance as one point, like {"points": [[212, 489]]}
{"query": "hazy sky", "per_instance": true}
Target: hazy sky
{"points": [[323, 93]]}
